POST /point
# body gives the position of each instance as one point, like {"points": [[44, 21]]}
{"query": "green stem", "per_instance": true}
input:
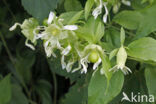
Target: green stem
{"points": [[12, 14], [55, 87], [6, 48]]}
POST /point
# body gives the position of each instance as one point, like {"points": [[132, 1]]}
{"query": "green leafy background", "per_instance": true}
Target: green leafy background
{"points": [[28, 77]]}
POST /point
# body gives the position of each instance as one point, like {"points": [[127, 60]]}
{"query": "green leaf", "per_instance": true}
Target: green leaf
{"points": [[18, 96], [72, 5], [43, 89], [112, 37], [143, 49], [142, 20], [77, 93], [71, 17], [150, 75], [122, 36], [113, 53], [92, 31], [106, 66], [75, 17], [128, 19], [99, 31], [39, 9], [133, 83], [5, 90], [97, 88], [88, 7]]}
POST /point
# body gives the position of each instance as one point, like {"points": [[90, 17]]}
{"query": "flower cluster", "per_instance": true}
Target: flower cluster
{"points": [[56, 35]]}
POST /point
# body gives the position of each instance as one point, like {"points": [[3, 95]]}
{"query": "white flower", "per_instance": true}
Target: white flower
{"points": [[121, 60], [98, 10], [28, 27], [90, 54]]}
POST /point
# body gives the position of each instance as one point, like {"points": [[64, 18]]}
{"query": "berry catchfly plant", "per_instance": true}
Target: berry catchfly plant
{"points": [[77, 46]]}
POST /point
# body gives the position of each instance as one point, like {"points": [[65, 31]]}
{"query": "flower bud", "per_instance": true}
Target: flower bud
{"points": [[121, 57], [93, 57]]}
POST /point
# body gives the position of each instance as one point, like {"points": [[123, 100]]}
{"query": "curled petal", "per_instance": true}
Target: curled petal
{"points": [[127, 70], [70, 27], [106, 13], [97, 64], [126, 2], [51, 17], [48, 49], [59, 45], [69, 66], [14, 26], [63, 62], [66, 50], [29, 45], [84, 63], [97, 10]]}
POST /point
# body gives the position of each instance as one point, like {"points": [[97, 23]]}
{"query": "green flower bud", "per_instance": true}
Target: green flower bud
{"points": [[121, 57], [93, 57]]}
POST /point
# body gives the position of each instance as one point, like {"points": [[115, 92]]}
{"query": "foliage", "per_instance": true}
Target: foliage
{"points": [[77, 51]]}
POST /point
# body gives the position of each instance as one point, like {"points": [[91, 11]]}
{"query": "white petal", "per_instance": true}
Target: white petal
{"points": [[97, 64], [29, 45], [84, 63], [14, 26], [66, 50], [128, 69], [51, 17], [48, 50], [63, 62], [126, 2], [106, 13], [97, 11], [69, 66], [70, 27]]}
